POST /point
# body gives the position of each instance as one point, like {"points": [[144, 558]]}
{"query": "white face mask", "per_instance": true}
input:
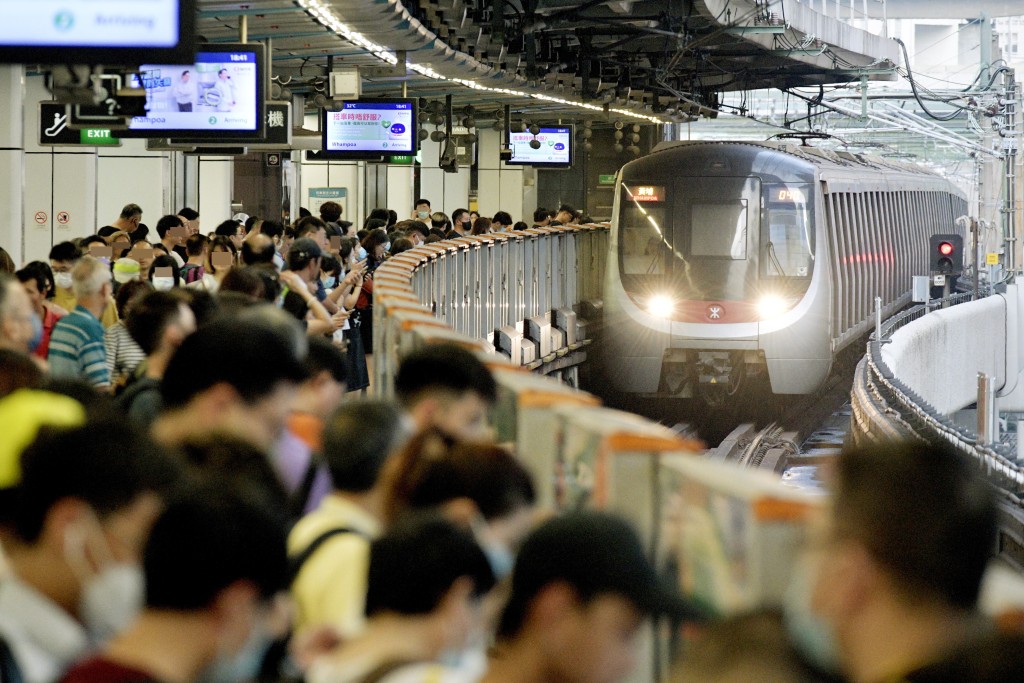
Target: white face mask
{"points": [[163, 284], [361, 254], [112, 599], [812, 635], [62, 280], [241, 666], [387, 246]]}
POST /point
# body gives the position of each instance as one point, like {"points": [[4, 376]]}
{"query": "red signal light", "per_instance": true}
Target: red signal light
{"points": [[945, 248]]}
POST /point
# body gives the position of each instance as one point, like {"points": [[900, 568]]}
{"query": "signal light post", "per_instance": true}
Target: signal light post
{"points": [[945, 262]]}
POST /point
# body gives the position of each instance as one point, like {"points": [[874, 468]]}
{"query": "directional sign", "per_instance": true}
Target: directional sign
{"points": [[54, 129]]}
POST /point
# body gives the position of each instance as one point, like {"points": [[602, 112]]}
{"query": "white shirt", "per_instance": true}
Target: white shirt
{"points": [[44, 639]]}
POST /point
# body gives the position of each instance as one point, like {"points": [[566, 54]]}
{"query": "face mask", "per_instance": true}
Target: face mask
{"points": [[424, 214], [812, 635], [112, 599], [387, 246], [329, 281], [37, 333], [241, 666], [467, 226], [500, 558], [62, 280], [361, 253], [163, 284], [278, 261]]}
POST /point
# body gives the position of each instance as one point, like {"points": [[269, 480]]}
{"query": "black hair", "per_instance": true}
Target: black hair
{"points": [[304, 212], [380, 214], [420, 227], [250, 222], [458, 212], [207, 540], [91, 239], [214, 355], [127, 293], [245, 280], [415, 564], [357, 440], [372, 224], [189, 214], [18, 371], [880, 492], [150, 316], [520, 225], [272, 229], [227, 228], [229, 459], [421, 201], [107, 230], [40, 273], [541, 215], [65, 251], [303, 251], [392, 217], [442, 367], [434, 469], [401, 244], [373, 239], [166, 223], [330, 212], [309, 226], [503, 217], [106, 464], [166, 262], [325, 356], [252, 255], [196, 243]]}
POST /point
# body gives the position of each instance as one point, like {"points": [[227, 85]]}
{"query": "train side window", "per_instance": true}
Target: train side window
{"points": [[788, 238]]}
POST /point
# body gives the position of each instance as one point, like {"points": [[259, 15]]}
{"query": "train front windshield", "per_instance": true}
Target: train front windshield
{"points": [[716, 239]]}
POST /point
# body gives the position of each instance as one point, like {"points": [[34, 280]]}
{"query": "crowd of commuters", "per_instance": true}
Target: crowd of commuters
{"points": [[192, 492]]}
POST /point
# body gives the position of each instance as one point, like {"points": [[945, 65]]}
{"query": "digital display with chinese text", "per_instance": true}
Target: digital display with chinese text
{"points": [[371, 127]]}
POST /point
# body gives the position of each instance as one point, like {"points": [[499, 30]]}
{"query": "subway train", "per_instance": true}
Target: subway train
{"points": [[733, 261]]}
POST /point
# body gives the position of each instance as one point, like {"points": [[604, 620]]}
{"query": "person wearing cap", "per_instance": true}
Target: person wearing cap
{"points": [[77, 347], [581, 589], [125, 270], [213, 383], [301, 281]]}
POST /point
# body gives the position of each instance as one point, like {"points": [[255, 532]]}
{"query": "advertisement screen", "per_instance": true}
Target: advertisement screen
{"points": [[220, 93], [371, 127], [555, 147], [70, 30]]}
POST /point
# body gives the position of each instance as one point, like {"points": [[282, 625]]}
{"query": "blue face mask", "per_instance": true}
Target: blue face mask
{"points": [[242, 666], [329, 281], [37, 333], [500, 558], [387, 246], [361, 254], [812, 635]]}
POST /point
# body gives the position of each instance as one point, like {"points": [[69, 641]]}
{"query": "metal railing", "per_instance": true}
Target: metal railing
{"points": [[514, 293], [885, 407]]}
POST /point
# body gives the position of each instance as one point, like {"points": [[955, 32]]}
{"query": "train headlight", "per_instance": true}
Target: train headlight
{"points": [[661, 306], [772, 305]]}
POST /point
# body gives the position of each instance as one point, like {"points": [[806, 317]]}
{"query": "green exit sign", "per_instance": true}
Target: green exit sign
{"points": [[401, 159], [97, 136], [606, 179]]}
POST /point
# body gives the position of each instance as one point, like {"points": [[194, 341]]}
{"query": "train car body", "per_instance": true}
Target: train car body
{"points": [[734, 259]]}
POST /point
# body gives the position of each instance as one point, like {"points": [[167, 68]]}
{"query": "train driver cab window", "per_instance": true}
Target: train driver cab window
{"points": [[719, 230], [787, 241], [642, 235]]}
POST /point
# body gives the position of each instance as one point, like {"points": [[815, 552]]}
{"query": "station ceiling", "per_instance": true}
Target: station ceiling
{"points": [[654, 60]]}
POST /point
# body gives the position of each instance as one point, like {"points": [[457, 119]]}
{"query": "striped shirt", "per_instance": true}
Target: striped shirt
{"points": [[77, 350], [123, 354]]}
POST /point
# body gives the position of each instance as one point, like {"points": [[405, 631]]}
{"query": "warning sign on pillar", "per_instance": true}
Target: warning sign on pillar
{"points": [[41, 217], [63, 217]]}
